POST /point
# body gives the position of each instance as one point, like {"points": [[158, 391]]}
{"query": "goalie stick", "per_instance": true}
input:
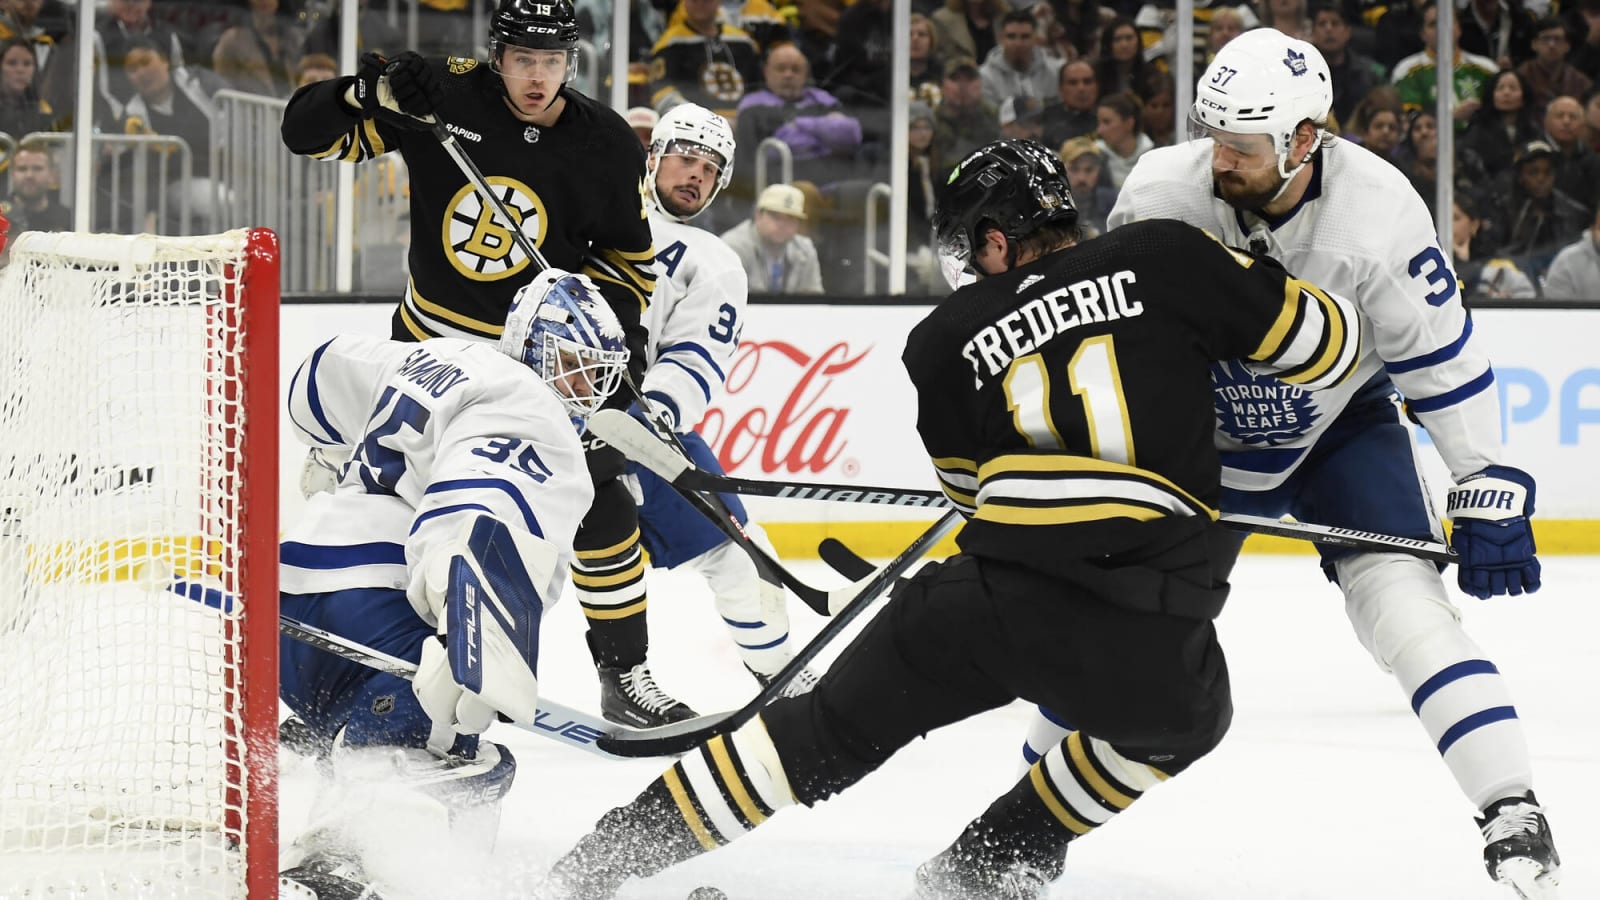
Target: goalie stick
{"points": [[555, 721], [848, 602], [632, 438]]}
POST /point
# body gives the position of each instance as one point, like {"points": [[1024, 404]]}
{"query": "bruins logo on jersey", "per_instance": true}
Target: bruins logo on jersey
{"points": [[477, 242], [458, 65], [722, 82]]}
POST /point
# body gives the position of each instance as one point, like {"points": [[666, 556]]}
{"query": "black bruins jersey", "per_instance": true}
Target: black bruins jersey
{"points": [[715, 72], [576, 187], [1067, 404]]}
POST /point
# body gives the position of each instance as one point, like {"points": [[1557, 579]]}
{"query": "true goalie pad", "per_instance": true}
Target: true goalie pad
{"points": [[489, 608]]}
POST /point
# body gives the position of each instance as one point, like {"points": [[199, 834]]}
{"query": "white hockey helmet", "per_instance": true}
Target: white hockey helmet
{"points": [[1264, 82], [690, 129]]}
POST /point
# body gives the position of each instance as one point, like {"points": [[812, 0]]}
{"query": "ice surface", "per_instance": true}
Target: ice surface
{"points": [[1327, 786]]}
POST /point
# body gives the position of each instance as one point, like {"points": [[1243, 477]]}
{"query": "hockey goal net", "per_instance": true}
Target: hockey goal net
{"points": [[138, 557]]}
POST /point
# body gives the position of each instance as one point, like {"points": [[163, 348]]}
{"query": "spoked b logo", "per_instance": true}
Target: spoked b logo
{"points": [[478, 242]]}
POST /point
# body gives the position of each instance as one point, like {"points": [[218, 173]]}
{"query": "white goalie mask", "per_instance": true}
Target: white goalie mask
{"points": [[1263, 82], [689, 129]]}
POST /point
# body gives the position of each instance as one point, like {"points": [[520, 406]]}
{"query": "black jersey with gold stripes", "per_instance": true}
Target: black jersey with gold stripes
{"points": [[575, 187], [1067, 403]]}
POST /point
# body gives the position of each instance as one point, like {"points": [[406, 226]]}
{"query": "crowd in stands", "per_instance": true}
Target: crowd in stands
{"points": [[807, 87]]}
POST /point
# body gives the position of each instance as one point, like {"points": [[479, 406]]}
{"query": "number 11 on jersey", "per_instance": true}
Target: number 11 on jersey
{"points": [[1093, 376]]}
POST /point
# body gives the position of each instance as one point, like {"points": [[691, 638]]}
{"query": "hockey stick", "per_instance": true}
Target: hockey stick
{"points": [[633, 439], [848, 603], [553, 720]]}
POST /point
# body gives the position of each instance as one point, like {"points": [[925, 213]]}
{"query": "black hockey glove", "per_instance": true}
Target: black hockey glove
{"points": [[375, 94], [416, 88]]}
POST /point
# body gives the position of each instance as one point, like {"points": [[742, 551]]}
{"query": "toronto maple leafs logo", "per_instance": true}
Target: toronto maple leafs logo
{"points": [[1296, 62], [1259, 411]]}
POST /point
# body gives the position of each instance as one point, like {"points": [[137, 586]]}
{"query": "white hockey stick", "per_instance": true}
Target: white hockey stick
{"points": [[635, 440], [553, 720]]}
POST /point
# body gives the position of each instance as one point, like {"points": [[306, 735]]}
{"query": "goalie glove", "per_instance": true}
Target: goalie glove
{"points": [[400, 91], [1490, 510], [484, 591]]}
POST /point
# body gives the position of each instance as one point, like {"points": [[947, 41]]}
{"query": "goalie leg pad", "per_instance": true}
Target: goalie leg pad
{"points": [[1399, 609], [493, 606]]}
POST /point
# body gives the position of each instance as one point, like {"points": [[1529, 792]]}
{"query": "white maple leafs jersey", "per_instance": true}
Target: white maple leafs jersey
{"points": [[694, 317], [434, 434], [1361, 232]]}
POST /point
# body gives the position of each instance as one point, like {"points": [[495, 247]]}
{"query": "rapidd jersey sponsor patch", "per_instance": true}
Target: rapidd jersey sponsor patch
{"points": [[1260, 411], [477, 241], [459, 65]]}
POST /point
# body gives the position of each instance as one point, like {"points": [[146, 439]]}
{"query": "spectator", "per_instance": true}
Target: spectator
{"points": [[861, 73], [21, 110], [1086, 175], [1585, 19], [1503, 121], [1119, 136], [373, 32], [927, 66], [969, 28], [1019, 118], [703, 60], [259, 55], [175, 101], [818, 24], [643, 119], [1160, 115], [315, 67], [35, 204], [1548, 75], [1051, 36], [925, 177], [1577, 166], [822, 139], [1158, 32], [1495, 277], [1018, 67], [26, 20], [1354, 75], [1540, 219], [1418, 158], [777, 258], [1287, 16], [963, 122], [1121, 67], [1591, 119], [758, 18], [1500, 30], [1078, 92], [1226, 24], [1575, 272], [1417, 80], [129, 23], [1398, 32], [1080, 23], [1378, 129]]}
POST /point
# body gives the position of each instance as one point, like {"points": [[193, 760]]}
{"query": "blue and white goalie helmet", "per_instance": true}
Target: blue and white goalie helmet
{"points": [[561, 327]]}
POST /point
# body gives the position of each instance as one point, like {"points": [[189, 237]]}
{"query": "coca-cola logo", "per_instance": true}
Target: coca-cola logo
{"points": [[799, 434]]}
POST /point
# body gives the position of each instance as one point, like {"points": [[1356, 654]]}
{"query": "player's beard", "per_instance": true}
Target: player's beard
{"points": [[1245, 193], [673, 207]]}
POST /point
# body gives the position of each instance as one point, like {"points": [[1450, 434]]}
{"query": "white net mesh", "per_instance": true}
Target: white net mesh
{"points": [[123, 748]]}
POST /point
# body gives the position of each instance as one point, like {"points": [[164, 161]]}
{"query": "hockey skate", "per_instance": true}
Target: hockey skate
{"points": [[326, 876], [958, 875], [1519, 851], [801, 683], [631, 697]]}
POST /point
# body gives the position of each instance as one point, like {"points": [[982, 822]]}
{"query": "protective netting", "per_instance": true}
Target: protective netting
{"points": [[125, 416]]}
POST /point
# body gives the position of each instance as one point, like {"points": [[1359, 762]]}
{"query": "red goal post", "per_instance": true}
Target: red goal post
{"points": [[138, 565]]}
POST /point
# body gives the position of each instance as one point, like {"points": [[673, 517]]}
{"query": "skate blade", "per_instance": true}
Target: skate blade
{"points": [[1529, 879]]}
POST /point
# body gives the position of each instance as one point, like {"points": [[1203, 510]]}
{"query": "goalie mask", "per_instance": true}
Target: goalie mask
{"points": [[689, 129], [1016, 186], [551, 25], [560, 327], [1263, 82]]}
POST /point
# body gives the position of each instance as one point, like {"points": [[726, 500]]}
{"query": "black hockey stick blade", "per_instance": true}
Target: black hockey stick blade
{"points": [[850, 603], [843, 560]]}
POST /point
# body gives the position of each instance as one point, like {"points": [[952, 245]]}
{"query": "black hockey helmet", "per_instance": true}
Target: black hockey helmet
{"points": [[551, 25], [1016, 186]]}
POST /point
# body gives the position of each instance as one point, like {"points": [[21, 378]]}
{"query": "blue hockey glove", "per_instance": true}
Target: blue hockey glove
{"points": [[1492, 535]]}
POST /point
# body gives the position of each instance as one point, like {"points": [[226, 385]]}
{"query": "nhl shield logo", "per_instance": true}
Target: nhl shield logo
{"points": [[1296, 62], [530, 134]]}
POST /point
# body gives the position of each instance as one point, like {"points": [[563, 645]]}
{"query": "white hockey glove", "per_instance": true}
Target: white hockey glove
{"points": [[483, 591], [319, 474]]}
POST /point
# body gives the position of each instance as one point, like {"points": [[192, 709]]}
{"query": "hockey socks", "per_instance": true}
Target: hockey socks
{"points": [[610, 587], [717, 792]]}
